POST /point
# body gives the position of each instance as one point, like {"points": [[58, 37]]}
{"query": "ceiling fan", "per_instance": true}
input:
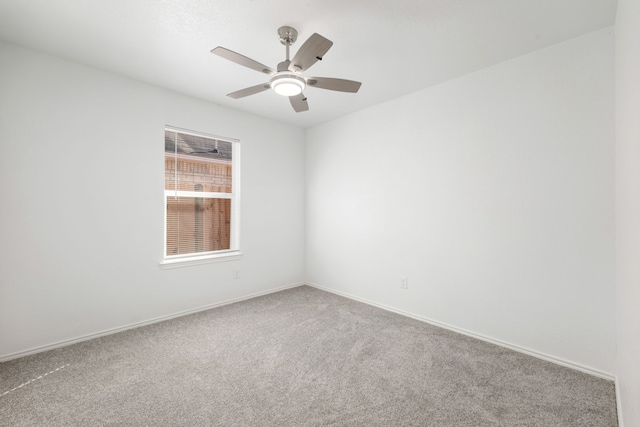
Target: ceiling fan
{"points": [[287, 80]]}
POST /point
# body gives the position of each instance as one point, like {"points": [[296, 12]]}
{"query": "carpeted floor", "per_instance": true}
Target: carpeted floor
{"points": [[301, 357]]}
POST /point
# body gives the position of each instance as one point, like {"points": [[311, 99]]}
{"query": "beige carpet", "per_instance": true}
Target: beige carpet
{"points": [[301, 357]]}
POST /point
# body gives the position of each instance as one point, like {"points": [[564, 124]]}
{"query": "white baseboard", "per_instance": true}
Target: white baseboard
{"points": [[16, 355], [619, 404], [556, 360], [548, 358]]}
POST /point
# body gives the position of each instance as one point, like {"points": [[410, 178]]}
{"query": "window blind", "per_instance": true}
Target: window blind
{"points": [[201, 205]]}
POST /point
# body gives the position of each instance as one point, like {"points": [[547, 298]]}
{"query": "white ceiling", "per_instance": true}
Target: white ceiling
{"points": [[393, 47]]}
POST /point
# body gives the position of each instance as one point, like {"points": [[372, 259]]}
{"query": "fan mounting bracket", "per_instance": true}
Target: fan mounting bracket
{"points": [[288, 35]]}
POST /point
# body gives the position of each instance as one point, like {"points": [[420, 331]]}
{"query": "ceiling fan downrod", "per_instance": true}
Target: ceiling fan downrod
{"points": [[288, 36]]}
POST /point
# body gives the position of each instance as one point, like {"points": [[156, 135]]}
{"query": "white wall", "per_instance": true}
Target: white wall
{"points": [[81, 202], [628, 208], [493, 193]]}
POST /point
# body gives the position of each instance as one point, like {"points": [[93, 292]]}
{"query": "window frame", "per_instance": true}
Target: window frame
{"points": [[196, 258]]}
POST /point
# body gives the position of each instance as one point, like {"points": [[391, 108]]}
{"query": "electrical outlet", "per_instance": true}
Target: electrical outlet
{"points": [[404, 282], [236, 273]]}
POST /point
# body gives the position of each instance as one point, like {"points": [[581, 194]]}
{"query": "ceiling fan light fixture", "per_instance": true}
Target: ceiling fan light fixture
{"points": [[287, 84]]}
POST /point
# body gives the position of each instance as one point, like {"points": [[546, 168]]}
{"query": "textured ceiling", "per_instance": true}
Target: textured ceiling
{"points": [[393, 47]]}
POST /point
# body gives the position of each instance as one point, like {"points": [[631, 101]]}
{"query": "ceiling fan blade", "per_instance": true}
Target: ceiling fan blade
{"points": [[242, 60], [310, 52], [299, 103], [249, 91], [341, 85]]}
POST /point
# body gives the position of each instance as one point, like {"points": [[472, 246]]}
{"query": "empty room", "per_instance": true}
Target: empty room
{"points": [[439, 227]]}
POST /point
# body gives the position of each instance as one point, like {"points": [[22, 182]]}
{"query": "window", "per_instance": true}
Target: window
{"points": [[201, 192]]}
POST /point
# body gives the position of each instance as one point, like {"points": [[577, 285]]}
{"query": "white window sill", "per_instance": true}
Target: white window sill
{"points": [[197, 260]]}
